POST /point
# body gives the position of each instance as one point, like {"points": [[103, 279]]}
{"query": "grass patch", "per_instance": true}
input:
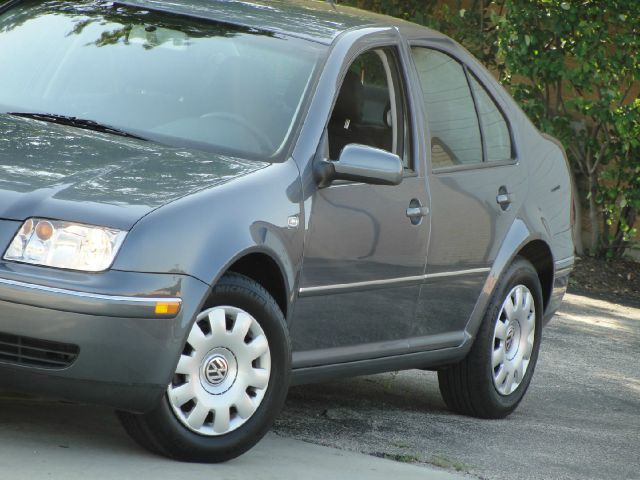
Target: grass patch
{"points": [[401, 457], [449, 463]]}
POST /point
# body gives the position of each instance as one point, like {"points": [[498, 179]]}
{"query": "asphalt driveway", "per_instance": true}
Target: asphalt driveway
{"points": [[580, 419]]}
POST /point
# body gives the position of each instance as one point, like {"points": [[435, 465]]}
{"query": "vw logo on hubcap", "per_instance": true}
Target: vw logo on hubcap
{"points": [[216, 370], [509, 340]]}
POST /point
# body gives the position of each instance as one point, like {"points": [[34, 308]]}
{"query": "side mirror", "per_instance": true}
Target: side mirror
{"points": [[360, 163]]}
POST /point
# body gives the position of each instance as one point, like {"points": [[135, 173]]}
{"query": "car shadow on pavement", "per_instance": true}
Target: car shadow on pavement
{"points": [[388, 391], [322, 413]]}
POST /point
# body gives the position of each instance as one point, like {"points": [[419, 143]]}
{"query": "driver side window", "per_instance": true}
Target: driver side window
{"points": [[371, 107]]}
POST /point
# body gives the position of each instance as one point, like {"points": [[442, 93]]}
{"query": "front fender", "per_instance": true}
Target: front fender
{"points": [[203, 234]]}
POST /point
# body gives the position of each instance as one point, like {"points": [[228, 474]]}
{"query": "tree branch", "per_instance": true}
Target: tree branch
{"points": [[577, 155]]}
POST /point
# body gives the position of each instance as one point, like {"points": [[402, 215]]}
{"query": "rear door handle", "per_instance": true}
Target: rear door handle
{"points": [[504, 198]]}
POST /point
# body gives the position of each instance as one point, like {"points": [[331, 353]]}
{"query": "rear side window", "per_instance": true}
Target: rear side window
{"points": [[451, 113], [495, 131]]}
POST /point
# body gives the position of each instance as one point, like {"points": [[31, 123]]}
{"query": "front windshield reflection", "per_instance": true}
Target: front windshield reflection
{"points": [[181, 81]]}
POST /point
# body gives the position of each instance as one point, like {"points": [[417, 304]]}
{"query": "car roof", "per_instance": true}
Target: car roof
{"points": [[316, 20]]}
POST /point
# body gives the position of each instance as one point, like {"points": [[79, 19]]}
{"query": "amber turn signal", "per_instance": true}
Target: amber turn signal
{"points": [[167, 308]]}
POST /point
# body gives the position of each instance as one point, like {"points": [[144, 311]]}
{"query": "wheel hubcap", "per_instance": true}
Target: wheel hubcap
{"points": [[513, 340], [223, 372]]}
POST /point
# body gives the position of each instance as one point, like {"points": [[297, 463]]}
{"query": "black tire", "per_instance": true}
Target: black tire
{"points": [[468, 387], [159, 431]]}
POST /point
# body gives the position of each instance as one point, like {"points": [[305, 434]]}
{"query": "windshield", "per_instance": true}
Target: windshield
{"points": [[173, 79]]}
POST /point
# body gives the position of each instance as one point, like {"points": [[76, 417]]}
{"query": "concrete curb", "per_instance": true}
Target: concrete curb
{"points": [[55, 440]]}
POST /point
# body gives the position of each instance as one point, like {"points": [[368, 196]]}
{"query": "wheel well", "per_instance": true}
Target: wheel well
{"points": [[538, 253], [264, 270]]}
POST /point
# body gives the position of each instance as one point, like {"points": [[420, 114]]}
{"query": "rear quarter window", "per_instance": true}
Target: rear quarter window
{"points": [[495, 130]]}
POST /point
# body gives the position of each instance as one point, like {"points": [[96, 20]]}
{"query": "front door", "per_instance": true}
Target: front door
{"points": [[365, 250]]}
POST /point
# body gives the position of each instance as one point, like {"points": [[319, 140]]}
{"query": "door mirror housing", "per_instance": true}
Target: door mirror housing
{"points": [[360, 163]]}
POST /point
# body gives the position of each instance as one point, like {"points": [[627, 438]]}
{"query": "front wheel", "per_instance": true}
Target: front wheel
{"points": [[230, 382], [492, 380]]}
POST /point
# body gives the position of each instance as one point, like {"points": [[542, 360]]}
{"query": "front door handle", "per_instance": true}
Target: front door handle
{"points": [[416, 211], [413, 212]]}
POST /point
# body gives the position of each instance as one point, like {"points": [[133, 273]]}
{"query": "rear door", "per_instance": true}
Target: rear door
{"points": [[365, 250], [476, 185]]}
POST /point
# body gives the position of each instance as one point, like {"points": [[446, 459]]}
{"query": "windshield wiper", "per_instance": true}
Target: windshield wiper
{"points": [[76, 122]]}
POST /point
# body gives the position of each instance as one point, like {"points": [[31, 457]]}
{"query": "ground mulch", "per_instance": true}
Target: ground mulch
{"points": [[617, 281]]}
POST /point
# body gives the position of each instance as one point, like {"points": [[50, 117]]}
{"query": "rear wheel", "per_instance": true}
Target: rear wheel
{"points": [[230, 382], [492, 380]]}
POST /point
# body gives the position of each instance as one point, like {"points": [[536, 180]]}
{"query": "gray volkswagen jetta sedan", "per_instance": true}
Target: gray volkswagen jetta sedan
{"points": [[203, 201]]}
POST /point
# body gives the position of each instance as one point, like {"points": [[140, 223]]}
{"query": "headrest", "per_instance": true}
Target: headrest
{"points": [[387, 118], [350, 100]]}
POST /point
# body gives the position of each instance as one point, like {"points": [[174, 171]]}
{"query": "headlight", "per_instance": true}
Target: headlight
{"points": [[75, 246]]}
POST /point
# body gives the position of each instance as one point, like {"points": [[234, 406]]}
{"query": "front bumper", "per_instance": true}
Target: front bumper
{"points": [[126, 353]]}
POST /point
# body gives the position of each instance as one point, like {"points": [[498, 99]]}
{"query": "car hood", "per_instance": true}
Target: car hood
{"points": [[62, 172]]}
